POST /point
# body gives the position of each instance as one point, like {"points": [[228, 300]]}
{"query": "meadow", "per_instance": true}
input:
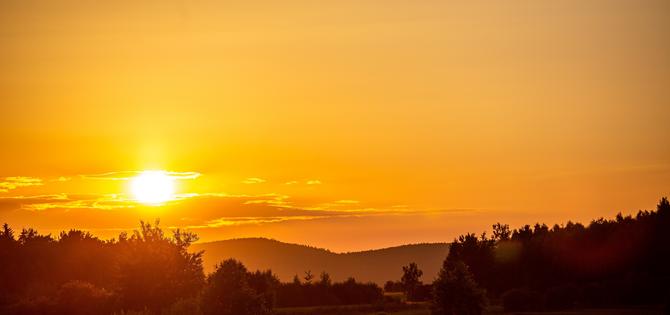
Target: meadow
{"points": [[424, 309]]}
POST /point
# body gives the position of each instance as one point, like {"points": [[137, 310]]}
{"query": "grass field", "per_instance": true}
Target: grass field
{"points": [[423, 309], [396, 308], [496, 311]]}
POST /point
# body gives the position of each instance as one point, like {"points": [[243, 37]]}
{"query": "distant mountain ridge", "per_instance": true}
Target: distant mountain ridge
{"points": [[287, 260]]}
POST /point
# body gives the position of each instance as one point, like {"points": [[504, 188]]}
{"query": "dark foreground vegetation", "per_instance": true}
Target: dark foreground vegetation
{"points": [[608, 264], [620, 262], [149, 272], [624, 262]]}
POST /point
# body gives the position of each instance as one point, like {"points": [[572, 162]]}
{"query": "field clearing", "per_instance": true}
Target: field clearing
{"points": [[423, 309], [417, 308], [639, 311], [498, 311]]}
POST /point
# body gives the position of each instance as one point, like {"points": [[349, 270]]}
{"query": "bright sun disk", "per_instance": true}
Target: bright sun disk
{"points": [[153, 187]]}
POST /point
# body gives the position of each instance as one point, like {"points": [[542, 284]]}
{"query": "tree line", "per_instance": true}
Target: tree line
{"points": [[148, 272], [618, 262], [608, 263]]}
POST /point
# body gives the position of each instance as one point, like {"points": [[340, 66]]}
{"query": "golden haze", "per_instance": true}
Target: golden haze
{"points": [[347, 125]]}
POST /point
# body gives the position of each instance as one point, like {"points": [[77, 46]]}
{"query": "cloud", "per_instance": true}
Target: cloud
{"points": [[307, 182], [10, 183], [347, 201], [64, 201], [184, 175], [229, 221], [21, 202], [213, 206], [274, 199], [126, 175], [253, 180], [197, 211]]}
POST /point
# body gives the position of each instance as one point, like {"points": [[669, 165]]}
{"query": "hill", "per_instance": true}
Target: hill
{"points": [[287, 260]]}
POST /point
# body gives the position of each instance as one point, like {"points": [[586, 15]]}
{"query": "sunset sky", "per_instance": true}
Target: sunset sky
{"points": [[341, 124]]}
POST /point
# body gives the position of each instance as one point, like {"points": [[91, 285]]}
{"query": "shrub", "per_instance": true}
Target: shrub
{"points": [[423, 292], [83, 298], [38, 305], [189, 306], [352, 292]]}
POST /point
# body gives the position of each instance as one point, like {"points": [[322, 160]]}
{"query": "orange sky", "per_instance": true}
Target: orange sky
{"points": [[341, 124]]}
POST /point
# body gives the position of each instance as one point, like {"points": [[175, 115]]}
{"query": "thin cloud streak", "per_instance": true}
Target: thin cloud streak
{"points": [[253, 180], [127, 175], [14, 182], [205, 210]]}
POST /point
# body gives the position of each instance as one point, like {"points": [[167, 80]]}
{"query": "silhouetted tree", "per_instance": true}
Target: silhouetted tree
{"points": [[352, 292], [623, 261], [393, 286], [324, 279], [7, 234], [411, 275], [478, 254], [264, 283], [324, 292], [83, 298], [663, 207], [308, 277], [456, 292], [619, 261], [154, 270], [10, 271], [81, 256], [228, 292], [501, 232]]}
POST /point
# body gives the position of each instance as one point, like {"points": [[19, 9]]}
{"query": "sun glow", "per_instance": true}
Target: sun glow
{"points": [[153, 187]]}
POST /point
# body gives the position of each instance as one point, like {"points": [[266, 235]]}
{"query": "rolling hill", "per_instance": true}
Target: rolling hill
{"points": [[287, 260]]}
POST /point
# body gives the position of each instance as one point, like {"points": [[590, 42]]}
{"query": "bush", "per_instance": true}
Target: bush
{"points": [[352, 292], [183, 307], [393, 286], [423, 292], [38, 305], [296, 294], [521, 300], [83, 298]]}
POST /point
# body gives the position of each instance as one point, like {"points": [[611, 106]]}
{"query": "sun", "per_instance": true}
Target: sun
{"points": [[153, 187]]}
